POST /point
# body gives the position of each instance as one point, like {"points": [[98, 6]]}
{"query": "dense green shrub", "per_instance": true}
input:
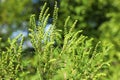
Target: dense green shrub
{"points": [[77, 58]]}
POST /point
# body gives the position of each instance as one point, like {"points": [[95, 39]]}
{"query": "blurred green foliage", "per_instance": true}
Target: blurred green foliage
{"points": [[14, 11], [89, 13]]}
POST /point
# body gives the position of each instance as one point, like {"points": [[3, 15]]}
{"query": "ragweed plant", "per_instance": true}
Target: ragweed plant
{"points": [[10, 60], [71, 56], [77, 58]]}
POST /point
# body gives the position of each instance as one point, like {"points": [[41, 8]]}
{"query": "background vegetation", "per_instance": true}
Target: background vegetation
{"points": [[64, 51]]}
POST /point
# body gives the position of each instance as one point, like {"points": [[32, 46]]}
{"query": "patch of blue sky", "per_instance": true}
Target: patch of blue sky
{"points": [[48, 27], [35, 1], [4, 29], [16, 33]]}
